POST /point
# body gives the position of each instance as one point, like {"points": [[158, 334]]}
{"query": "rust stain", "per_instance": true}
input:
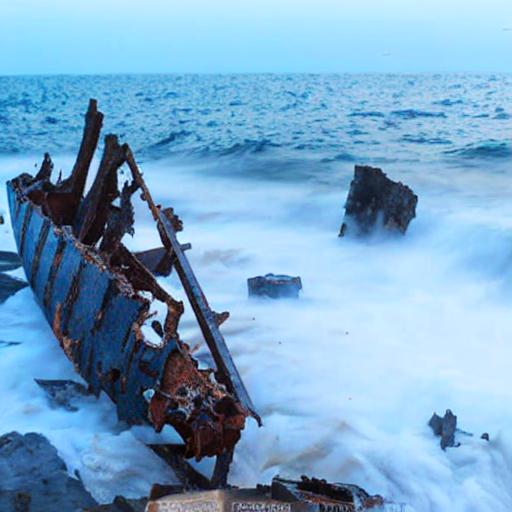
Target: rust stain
{"points": [[67, 344]]}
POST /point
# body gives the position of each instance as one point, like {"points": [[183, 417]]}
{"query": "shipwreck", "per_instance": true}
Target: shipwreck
{"points": [[97, 297]]}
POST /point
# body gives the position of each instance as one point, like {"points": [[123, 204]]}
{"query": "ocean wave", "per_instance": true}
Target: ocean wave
{"points": [[340, 157], [448, 102], [25, 104], [483, 150], [173, 136], [421, 139], [248, 146], [414, 114], [226, 115], [372, 113], [356, 131]]}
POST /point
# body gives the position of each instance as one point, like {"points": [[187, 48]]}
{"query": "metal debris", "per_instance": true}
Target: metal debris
{"points": [[306, 495], [274, 286], [321, 495], [94, 293], [63, 393]]}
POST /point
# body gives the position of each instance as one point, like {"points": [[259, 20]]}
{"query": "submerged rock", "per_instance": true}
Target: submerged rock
{"points": [[9, 261], [121, 504], [275, 286], [63, 393], [445, 428], [34, 478], [375, 200], [9, 286]]}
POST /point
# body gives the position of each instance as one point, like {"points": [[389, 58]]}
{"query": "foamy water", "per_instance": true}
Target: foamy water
{"points": [[387, 330]]}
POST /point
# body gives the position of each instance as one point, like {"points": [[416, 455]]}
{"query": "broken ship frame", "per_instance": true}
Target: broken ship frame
{"points": [[93, 290]]}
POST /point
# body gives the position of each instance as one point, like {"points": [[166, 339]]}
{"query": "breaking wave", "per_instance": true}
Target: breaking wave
{"points": [[366, 114], [448, 102], [492, 149], [248, 146], [173, 137], [422, 139], [414, 114]]}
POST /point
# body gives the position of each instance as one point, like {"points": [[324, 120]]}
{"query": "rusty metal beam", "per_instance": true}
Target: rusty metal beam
{"points": [[94, 209], [75, 184], [174, 456]]}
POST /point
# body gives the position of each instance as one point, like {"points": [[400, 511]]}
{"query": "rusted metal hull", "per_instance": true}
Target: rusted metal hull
{"points": [[92, 317], [94, 294]]}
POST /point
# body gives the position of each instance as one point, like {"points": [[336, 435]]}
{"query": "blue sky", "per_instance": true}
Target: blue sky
{"points": [[112, 36]]}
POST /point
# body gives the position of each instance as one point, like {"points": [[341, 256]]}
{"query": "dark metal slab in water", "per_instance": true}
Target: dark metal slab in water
{"points": [[9, 286]]}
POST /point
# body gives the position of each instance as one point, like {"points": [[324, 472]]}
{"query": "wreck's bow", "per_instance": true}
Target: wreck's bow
{"points": [[93, 291]]}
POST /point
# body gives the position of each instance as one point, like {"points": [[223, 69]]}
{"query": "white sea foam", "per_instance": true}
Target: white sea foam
{"points": [[387, 331]]}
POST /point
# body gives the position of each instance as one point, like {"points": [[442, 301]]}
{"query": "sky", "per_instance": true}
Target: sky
{"points": [[223, 36]]}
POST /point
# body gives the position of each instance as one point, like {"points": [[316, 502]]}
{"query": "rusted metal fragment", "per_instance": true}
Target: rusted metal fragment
{"points": [[94, 209], [321, 495], [221, 469], [232, 500], [220, 318], [158, 261], [174, 455], [307, 495], [120, 220], [45, 171], [98, 297], [204, 416], [75, 184], [60, 202]]}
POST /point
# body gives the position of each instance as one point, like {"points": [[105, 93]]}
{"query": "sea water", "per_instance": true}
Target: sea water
{"points": [[387, 330]]}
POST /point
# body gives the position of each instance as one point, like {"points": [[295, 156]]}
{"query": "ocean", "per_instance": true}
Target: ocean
{"points": [[388, 329]]}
